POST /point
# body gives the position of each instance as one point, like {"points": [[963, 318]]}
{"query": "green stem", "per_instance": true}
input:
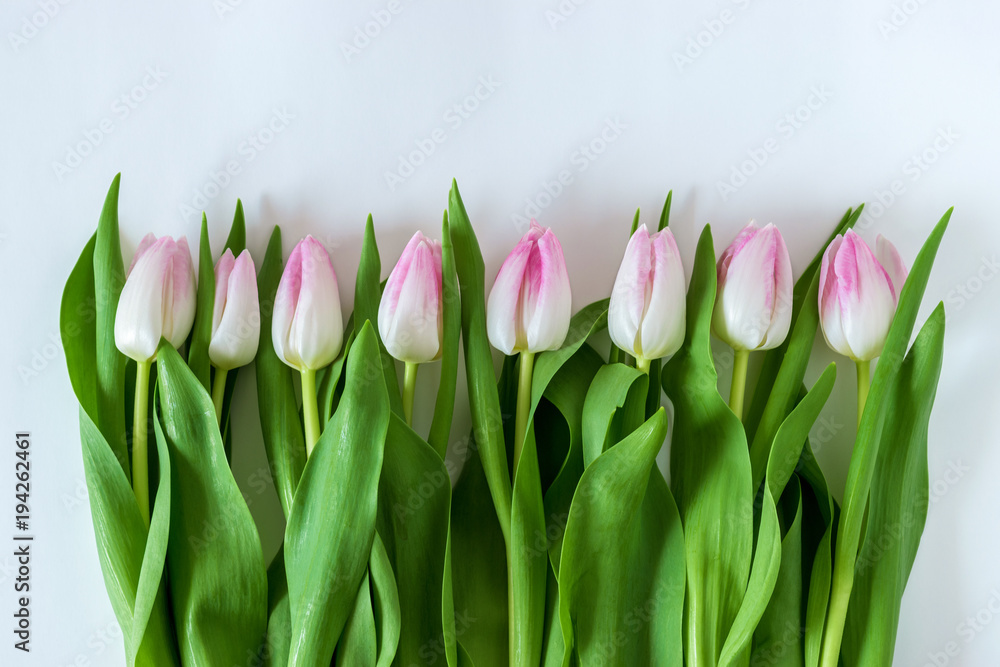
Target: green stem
{"points": [[219, 392], [409, 385], [740, 359], [310, 409], [523, 403], [840, 596], [864, 381], [140, 458], [642, 364]]}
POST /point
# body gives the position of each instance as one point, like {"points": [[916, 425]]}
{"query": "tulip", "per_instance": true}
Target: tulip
{"points": [[410, 314], [858, 294], [307, 327], [528, 310], [235, 319], [753, 304], [157, 301], [529, 306], [646, 316]]}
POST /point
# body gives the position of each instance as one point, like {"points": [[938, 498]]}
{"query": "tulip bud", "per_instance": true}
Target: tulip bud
{"points": [[307, 327], [410, 316], [530, 305], [646, 316], [158, 299], [236, 313], [753, 304], [858, 294]]}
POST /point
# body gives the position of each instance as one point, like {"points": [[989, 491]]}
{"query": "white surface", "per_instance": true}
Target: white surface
{"points": [[885, 97]]}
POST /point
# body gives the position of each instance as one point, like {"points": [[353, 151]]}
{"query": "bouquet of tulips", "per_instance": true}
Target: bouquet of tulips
{"points": [[561, 543]]}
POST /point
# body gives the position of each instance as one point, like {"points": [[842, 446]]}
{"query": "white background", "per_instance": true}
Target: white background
{"points": [[902, 97]]}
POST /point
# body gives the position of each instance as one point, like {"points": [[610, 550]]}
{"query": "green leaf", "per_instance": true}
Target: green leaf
{"points": [[567, 391], [778, 638], [870, 429], [284, 440], [279, 624], [367, 295], [479, 579], [778, 393], [786, 451], [444, 407], [331, 527], [620, 602], [358, 646], [710, 471], [237, 239], [484, 402], [385, 603], [414, 507], [132, 560], [218, 582], [109, 278], [201, 332], [79, 337], [898, 503], [665, 214], [608, 394]]}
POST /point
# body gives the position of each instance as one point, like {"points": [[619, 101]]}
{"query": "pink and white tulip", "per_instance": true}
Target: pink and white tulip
{"points": [[410, 314], [158, 299], [858, 294], [753, 304], [530, 305], [307, 327], [236, 313], [646, 316]]}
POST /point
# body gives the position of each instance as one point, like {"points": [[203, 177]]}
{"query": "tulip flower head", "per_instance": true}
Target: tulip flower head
{"points": [[307, 327], [753, 304], [529, 306], [410, 315], [858, 294], [646, 316], [158, 299], [236, 313]]}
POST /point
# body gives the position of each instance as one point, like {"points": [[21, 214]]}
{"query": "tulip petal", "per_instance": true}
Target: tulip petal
{"points": [[307, 325], [223, 269], [866, 297], [628, 297], [139, 319], [746, 299], [664, 322], [410, 317], [235, 338], [180, 297], [546, 306], [502, 312], [829, 303], [144, 245], [890, 260], [781, 312]]}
